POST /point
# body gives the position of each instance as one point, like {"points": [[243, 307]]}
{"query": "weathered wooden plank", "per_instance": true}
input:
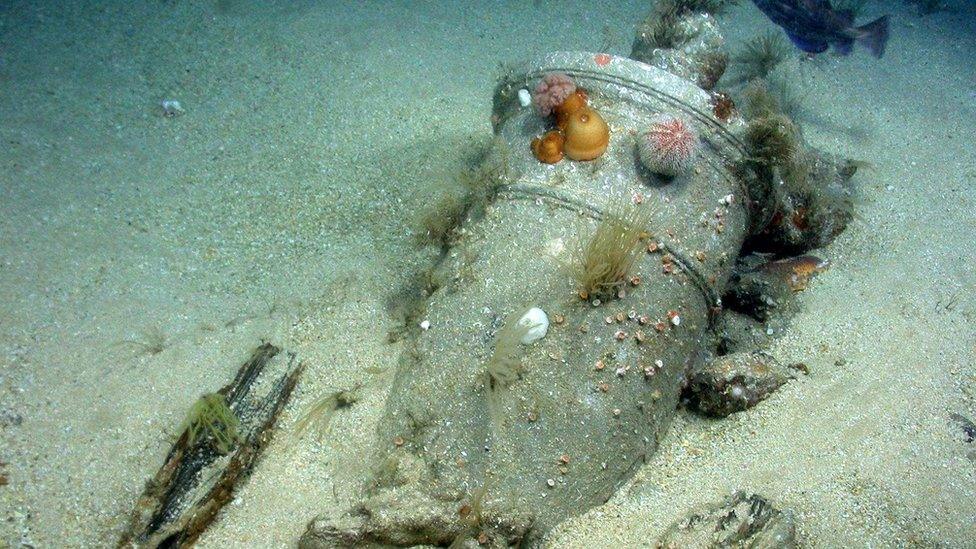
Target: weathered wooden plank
{"points": [[197, 478]]}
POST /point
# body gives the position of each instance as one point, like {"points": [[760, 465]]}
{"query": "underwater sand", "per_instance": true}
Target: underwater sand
{"points": [[279, 207]]}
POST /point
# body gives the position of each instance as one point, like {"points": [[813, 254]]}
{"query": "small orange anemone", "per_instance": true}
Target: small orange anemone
{"points": [[587, 135], [576, 101], [549, 148]]}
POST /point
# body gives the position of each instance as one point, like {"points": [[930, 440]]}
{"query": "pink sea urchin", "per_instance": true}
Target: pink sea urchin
{"points": [[551, 91], [669, 147]]}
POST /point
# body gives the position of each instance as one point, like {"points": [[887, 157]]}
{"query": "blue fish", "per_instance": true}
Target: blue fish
{"points": [[814, 26]]}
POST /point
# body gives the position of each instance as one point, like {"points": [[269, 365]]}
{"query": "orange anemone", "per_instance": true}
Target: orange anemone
{"points": [[587, 135], [576, 101], [549, 148]]}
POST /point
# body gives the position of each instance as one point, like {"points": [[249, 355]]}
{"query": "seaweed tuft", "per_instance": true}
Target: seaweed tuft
{"points": [[664, 21], [665, 31], [211, 418], [761, 55], [772, 139], [437, 224], [319, 413], [470, 193], [774, 95], [603, 263], [665, 18], [774, 143], [505, 363], [151, 341]]}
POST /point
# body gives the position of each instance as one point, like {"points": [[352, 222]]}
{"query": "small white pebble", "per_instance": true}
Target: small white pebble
{"points": [[425, 325], [659, 363], [550, 483], [171, 108], [525, 98], [727, 199], [676, 320]]}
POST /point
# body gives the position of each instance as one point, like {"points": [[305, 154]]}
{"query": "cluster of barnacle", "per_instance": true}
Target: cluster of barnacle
{"points": [[672, 318]]}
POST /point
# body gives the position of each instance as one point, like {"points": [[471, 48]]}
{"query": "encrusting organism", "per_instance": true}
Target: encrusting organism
{"points": [[551, 91], [582, 133]]}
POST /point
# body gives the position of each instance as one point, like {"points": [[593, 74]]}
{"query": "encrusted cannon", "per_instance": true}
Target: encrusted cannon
{"points": [[536, 378]]}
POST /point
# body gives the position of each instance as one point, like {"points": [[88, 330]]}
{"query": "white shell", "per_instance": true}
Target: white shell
{"points": [[425, 325], [538, 324], [525, 98], [171, 108]]}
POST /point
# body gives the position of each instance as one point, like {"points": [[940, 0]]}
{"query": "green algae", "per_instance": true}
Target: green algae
{"points": [[212, 419]]}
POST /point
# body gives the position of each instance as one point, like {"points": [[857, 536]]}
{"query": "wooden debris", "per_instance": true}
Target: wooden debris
{"points": [[196, 479]]}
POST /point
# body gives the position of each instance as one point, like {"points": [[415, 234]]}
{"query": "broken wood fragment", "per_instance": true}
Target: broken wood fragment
{"points": [[198, 478]]}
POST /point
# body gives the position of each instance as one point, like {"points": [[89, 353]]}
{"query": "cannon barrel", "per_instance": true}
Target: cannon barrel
{"points": [[594, 396]]}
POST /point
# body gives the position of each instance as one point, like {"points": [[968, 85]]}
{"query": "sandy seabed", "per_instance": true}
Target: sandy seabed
{"points": [[279, 206]]}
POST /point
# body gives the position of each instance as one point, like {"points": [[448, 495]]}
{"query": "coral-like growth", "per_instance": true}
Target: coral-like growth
{"points": [[603, 263], [669, 147], [551, 91], [211, 418]]}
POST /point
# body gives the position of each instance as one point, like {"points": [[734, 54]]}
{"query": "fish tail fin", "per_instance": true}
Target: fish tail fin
{"points": [[874, 35], [844, 46]]}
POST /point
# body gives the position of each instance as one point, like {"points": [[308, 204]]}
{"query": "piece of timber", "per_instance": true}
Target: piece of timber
{"points": [[196, 480]]}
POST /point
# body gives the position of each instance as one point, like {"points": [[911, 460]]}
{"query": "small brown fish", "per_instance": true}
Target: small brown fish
{"points": [[796, 271]]}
